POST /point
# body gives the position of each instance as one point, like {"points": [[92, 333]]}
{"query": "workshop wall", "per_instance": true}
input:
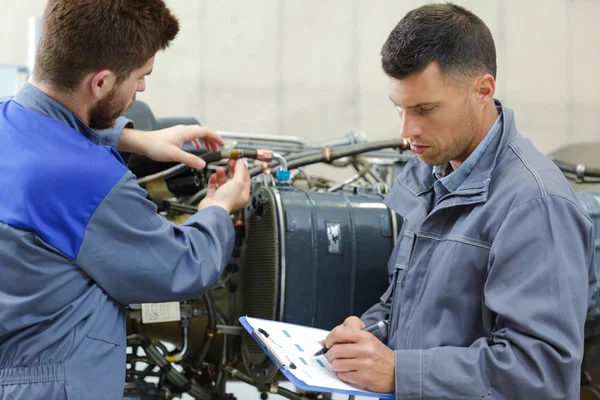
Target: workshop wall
{"points": [[311, 68]]}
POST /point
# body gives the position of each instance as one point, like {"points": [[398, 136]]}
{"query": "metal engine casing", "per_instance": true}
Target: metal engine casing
{"points": [[314, 258]]}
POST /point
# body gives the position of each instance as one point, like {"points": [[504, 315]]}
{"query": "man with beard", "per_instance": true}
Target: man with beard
{"points": [[79, 238], [494, 267]]}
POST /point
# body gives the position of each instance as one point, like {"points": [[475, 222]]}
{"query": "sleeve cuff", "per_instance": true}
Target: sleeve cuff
{"points": [[111, 136], [409, 374]]}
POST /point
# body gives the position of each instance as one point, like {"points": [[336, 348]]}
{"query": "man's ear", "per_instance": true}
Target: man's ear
{"points": [[486, 88], [101, 83]]}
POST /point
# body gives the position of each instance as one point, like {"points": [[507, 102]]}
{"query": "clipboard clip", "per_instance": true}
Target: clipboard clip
{"points": [[275, 350]]}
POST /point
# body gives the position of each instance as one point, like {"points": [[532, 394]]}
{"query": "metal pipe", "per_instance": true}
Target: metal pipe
{"points": [[282, 161], [365, 164], [179, 356], [210, 331], [263, 137], [361, 174], [350, 138], [346, 182], [179, 207], [325, 155], [274, 147], [220, 381]]}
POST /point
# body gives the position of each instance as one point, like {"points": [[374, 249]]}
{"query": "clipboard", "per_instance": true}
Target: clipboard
{"points": [[291, 348]]}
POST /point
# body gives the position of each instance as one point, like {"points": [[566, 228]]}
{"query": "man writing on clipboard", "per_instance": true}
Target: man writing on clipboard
{"points": [[494, 267]]}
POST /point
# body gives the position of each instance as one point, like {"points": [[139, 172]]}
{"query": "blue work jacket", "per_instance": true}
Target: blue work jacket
{"points": [[490, 285], [78, 241]]}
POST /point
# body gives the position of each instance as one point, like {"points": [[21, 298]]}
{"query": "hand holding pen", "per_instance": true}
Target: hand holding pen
{"points": [[359, 358], [379, 326]]}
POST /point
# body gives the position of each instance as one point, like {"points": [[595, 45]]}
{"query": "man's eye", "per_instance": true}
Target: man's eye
{"points": [[425, 110]]}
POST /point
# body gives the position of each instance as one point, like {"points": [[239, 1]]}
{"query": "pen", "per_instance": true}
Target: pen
{"points": [[375, 326], [278, 357]]}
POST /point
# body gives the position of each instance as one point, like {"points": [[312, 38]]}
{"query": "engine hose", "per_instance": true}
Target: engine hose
{"points": [[326, 155], [211, 329], [219, 383], [169, 205], [402, 144], [210, 157], [178, 379], [580, 170]]}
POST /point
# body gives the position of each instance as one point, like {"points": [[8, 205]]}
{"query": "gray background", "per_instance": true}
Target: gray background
{"points": [[310, 68]]}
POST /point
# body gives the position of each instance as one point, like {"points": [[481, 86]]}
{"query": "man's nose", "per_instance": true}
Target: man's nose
{"points": [[409, 127]]}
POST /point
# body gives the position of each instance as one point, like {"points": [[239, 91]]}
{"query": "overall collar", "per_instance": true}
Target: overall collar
{"points": [[35, 100]]}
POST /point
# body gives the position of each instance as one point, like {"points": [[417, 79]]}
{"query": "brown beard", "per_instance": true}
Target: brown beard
{"points": [[104, 114]]}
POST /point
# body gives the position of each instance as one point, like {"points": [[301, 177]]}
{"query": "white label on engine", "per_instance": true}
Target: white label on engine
{"points": [[334, 233], [160, 312]]}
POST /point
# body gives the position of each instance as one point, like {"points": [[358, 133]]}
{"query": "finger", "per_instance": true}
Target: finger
{"points": [[352, 377], [196, 143], [189, 159], [187, 133], [339, 334], [247, 181], [214, 137], [221, 177], [231, 166], [329, 339], [354, 323], [243, 177], [345, 351], [348, 364], [211, 144], [343, 334], [191, 132], [210, 193], [240, 171], [212, 185]]}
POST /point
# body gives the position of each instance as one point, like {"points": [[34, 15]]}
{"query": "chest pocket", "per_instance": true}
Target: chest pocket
{"points": [[398, 262], [401, 269], [405, 250]]}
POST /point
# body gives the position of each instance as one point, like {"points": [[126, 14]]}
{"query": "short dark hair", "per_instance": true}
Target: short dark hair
{"points": [[448, 34], [83, 36]]}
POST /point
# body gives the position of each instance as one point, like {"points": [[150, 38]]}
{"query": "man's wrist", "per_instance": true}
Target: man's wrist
{"points": [[223, 205], [131, 141]]}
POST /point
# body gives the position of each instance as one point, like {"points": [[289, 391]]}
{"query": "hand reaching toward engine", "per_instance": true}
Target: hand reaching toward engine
{"points": [[230, 195]]}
